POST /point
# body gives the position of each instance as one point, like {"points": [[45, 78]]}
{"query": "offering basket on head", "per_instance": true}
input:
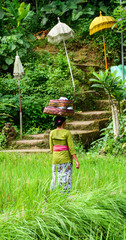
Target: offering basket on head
{"points": [[61, 107]]}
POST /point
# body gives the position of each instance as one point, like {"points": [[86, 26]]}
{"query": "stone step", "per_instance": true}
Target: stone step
{"points": [[85, 100], [34, 136], [103, 123], [86, 137], [85, 66], [102, 105], [29, 150], [39, 136], [88, 125], [22, 144], [91, 115], [83, 125]]}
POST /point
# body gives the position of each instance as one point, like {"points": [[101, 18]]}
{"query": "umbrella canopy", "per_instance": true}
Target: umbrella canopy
{"points": [[60, 32], [18, 70], [101, 22]]}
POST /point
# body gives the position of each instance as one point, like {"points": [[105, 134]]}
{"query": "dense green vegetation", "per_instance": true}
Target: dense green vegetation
{"points": [[47, 75], [95, 208], [19, 20], [38, 86]]}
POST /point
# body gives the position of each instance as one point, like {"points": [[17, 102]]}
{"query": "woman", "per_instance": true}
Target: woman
{"points": [[61, 145]]}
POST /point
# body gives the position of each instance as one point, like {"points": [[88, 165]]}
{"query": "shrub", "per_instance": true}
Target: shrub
{"points": [[3, 141], [107, 144], [14, 37], [44, 79]]}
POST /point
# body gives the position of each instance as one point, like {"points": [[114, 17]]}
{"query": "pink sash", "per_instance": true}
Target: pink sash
{"points": [[58, 148]]}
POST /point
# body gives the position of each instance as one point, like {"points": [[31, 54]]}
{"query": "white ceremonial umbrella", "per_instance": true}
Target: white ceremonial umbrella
{"points": [[18, 71], [61, 32]]}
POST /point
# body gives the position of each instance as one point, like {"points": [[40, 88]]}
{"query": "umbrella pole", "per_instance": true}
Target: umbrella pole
{"points": [[122, 51], [122, 55], [105, 52], [20, 110], [69, 66]]}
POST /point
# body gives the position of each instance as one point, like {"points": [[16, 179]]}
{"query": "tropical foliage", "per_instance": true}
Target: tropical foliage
{"points": [[14, 35], [116, 90], [18, 21], [38, 86], [113, 85], [96, 207], [120, 13]]}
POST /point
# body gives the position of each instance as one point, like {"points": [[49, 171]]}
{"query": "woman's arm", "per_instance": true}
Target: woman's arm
{"points": [[76, 161], [72, 150], [51, 143]]}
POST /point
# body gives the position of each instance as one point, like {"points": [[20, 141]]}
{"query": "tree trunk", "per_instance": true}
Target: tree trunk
{"points": [[115, 120]]}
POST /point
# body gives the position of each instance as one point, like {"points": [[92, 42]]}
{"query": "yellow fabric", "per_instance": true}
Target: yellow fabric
{"points": [[61, 137], [101, 22]]}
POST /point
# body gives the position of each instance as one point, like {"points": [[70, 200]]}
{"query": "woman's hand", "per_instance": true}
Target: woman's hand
{"points": [[77, 165], [76, 160]]}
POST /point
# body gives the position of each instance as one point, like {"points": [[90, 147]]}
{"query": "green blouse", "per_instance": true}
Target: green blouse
{"points": [[62, 137]]}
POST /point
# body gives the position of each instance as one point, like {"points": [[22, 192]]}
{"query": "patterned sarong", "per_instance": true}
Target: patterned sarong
{"points": [[62, 176]]}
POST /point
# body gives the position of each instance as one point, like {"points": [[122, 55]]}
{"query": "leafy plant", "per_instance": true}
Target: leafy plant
{"points": [[114, 87], [74, 8], [111, 83], [120, 14], [16, 12], [14, 37], [9, 45], [44, 79], [106, 143], [4, 115], [3, 141]]}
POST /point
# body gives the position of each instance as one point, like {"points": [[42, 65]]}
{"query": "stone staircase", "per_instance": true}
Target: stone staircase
{"points": [[85, 127]]}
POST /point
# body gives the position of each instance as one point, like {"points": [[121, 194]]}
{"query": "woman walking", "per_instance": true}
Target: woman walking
{"points": [[61, 145]]}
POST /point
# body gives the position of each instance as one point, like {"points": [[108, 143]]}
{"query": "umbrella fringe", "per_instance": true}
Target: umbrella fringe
{"points": [[100, 27], [57, 39]]}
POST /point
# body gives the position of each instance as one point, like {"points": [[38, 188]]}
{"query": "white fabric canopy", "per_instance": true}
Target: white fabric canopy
{"points": [[18, 68], [60, 32]]}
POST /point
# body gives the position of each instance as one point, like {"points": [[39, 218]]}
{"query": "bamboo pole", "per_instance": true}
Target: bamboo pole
{"points": [[115, 120], [69, 66], [106, 65], [20, 110], [122, 51]]}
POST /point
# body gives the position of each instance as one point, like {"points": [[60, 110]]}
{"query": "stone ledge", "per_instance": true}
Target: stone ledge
{"points": [[26, 151]]}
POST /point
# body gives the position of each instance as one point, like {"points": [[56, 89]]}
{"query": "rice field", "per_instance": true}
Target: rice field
{"points": [[95, 209]]}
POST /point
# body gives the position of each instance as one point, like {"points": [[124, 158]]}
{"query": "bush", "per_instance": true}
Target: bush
{"points": [[3, 141], [9, 45], [107, 143], [45, 78]]}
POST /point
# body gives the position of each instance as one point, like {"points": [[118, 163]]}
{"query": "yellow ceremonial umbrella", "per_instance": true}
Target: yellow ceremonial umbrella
{"points": [[100, 23]]}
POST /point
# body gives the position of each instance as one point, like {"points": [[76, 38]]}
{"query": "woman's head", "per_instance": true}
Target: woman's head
{"points": [[59, 121]]}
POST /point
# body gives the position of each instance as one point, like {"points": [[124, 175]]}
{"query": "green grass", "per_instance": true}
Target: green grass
{"points": [[94, 210]]}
